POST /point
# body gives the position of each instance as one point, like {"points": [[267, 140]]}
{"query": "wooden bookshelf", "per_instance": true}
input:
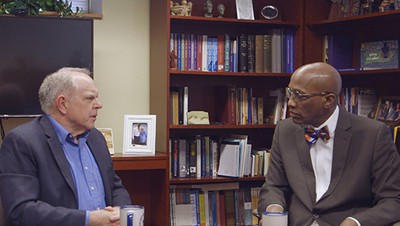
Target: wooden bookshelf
{"points": [[361, 28], [201, 84]]}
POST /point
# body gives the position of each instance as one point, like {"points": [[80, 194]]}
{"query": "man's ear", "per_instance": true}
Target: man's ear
{"points": [[330, 99], [61, 104]]}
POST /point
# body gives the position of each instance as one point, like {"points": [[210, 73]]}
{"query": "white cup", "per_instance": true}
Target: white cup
{"points": [[132, 215], [274, 219]]}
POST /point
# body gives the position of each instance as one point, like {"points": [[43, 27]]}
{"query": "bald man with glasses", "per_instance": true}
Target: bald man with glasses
{"points": [[329, 166]]}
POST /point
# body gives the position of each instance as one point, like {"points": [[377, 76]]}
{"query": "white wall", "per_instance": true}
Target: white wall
{"points": [[121, 64]]}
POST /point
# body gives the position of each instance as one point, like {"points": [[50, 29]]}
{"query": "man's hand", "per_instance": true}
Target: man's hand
{"points": [[108, 216], [348, 222]]}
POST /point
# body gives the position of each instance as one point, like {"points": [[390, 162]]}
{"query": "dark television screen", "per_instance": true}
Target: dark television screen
{"points": [[33, 47]]}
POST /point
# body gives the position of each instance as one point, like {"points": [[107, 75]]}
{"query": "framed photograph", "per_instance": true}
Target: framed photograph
{"points": [[108, 135], [244, 9], [388, 110], [139, 134]]}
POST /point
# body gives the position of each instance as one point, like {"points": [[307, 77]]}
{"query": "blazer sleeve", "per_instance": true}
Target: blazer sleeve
{"points": [[20, 187]]}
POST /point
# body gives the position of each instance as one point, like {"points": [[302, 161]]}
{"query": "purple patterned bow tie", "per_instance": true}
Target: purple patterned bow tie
{"points": [[312, 135]]}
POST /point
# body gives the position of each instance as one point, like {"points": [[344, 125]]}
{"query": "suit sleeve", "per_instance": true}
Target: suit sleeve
{"points": [[276, 186], [20, 188]]}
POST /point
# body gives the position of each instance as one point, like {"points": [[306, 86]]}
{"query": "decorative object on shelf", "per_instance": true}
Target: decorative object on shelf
{"points": [[172, 60], [198, 118], [139, 134], [244, 9], [384, 6], [388, 110], [208, 7], [185, 9], [221, 10], [18, 7], [108, 135], [269, 12], [379, 55]]}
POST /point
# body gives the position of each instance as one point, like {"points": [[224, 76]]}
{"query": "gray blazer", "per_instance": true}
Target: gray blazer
{"points": [[36, 185], [365, 181]]}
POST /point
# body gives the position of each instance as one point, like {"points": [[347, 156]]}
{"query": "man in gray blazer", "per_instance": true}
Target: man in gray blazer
{"points": [[347, 176], [56, 169]]}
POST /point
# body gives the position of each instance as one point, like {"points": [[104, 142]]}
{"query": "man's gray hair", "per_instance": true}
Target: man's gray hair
{"points": [[60, 82]]}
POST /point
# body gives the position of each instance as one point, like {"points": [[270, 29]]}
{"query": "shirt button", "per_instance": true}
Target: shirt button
{"points": [[86, 168], [92, 188]]}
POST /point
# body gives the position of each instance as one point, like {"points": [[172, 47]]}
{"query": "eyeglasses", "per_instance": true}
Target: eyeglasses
{"points": [[297, 96]]}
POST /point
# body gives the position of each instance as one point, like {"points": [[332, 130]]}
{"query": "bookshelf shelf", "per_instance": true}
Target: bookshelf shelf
{"points": [[203, 86], [233, 74], [207, 180], [220, 127]]}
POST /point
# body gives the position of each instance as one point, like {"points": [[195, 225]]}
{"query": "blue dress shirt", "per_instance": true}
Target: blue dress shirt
{"points": [[84, 170]]}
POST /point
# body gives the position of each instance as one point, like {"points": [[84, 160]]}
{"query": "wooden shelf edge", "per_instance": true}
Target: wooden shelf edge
{"points": [[188, 127], [372, 16], [231, 20], [159, 161], [210, 180], [240, 74]]}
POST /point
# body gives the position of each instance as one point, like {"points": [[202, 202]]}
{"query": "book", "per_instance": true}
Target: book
{"points": [[379, 55], [192, 157], [174, 158], [251, 53], [221, 53], [340, 51], [225, 106], [227, 52], [259, 53], [182, 158], [243, 53], [267, 47], [366, 102], [276, 51], [174, 96], [230, 159]]}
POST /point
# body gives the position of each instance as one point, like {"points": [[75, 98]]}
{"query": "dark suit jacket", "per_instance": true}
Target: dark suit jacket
{"points": [[365, 181], [36, 184]]}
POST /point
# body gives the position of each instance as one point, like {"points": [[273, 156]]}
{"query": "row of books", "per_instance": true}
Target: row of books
{"points": [[233, 106], [374, 55], [213, 204], [360, 101], [260, 53], [205, 156]]}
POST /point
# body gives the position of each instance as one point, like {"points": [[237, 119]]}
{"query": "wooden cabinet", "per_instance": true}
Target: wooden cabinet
{"points": [[146, 179], [202, 84]]}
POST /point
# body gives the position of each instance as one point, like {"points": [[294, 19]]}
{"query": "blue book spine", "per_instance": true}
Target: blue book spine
{"points": [[189, 52], [179, 51], [209, 53]]}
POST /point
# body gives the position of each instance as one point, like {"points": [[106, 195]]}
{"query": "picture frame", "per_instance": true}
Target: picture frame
{"points": [[244, 9], [388, 110], [139, 134], [108, 136]]}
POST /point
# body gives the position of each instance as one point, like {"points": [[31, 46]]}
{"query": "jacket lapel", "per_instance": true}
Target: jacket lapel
{"points": [[58, 152], [340, 150], [303, 152]]}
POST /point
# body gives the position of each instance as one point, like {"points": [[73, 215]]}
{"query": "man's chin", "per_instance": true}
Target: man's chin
{"points": [[297, 120]]}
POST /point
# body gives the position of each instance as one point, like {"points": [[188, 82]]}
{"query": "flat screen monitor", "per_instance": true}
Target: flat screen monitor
{"points": [[33, 47]]}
